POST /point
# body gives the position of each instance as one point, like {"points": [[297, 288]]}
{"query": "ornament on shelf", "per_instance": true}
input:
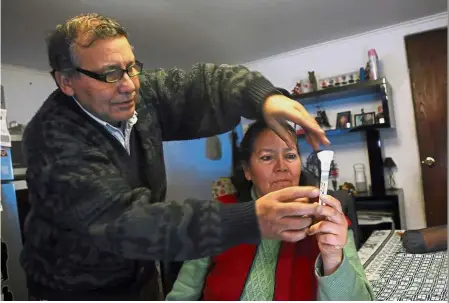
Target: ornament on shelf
{"points": [[390, 166], [367, 71], [380, 119], [362, 117], [333, 174], [313, 82], [324, 83], [349, 187], [321, 118], [297, 90]]}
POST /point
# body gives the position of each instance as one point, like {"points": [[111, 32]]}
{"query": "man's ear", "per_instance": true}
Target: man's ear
{"points": [[247, 172], [65, 84]]}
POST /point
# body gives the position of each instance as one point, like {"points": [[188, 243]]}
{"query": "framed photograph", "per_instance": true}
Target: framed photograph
{"points": [[365, 119], [343, 120]]}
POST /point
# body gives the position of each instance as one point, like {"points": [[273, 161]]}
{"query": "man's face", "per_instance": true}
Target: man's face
{"points": [[111, 102]]}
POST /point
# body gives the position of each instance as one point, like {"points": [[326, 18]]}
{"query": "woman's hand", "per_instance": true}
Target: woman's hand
{"points": [[331, 233]]}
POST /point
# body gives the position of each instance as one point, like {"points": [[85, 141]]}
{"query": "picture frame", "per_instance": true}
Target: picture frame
{"points": [[344, 120], [365, 119]]}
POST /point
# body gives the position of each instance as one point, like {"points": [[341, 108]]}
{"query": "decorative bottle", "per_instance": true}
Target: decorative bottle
{"points": [[373, 63]]}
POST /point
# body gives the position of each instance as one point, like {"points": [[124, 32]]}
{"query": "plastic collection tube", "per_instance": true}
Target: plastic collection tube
{"points": [[326, 157]]}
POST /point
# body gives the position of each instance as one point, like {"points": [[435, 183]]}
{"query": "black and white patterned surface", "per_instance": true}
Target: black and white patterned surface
{"points": [[398, 276]]}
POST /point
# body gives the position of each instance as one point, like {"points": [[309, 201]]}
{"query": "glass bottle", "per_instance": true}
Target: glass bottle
{"points": [[360, 177]]}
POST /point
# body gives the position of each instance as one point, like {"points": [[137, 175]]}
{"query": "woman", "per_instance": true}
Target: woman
{"points": [[322, 266]]}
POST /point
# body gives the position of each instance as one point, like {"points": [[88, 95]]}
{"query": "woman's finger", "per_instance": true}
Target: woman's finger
{"points": [[332, 202], [316, 217], [330, 214], [325, 227], [331, 239], [328, 247], [293, 235]]}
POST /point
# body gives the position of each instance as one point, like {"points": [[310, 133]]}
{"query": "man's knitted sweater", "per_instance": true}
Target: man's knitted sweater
{"points": [[90, 220]]}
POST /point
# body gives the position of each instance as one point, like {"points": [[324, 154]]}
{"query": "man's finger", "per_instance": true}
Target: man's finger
{"points": [[295, 209], [308, 125], [302, 200], [280, 128], [312, 141], [314, 133], [294, 223], [317, 137], [292, 193], [296, 113], [303, 118]]}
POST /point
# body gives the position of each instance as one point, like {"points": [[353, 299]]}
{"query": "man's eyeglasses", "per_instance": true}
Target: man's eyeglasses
{"points": [[115, 75]]}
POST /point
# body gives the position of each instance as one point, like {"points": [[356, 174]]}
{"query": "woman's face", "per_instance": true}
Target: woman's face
{"points": [[272, 165]]}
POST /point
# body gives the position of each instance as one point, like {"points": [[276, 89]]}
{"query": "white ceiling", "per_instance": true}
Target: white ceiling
{"points": [[181, 32]]}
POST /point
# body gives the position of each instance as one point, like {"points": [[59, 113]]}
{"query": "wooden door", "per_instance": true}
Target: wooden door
{"points": [[427, 63]]}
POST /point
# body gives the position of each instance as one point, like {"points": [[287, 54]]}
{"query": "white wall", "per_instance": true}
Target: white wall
{"points": [[25, 91], [189, 173], [349, 54]]}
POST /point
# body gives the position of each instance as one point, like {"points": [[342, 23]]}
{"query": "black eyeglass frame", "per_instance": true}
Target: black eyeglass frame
{"points": [[103, 77]]}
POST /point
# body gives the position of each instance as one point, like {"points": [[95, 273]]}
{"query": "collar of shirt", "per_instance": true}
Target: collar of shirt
{"points": [[131, 121]]}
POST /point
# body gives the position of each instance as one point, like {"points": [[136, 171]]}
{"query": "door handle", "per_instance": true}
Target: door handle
{"points": [[429, 161]]}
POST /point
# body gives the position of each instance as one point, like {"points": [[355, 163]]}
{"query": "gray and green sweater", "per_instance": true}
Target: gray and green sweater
{"points": [[93, 217]]}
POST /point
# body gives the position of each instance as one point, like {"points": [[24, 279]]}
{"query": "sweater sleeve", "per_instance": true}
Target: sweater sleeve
{"points": [[348, 282], [206, 100], [190, 282], [87, 194]]}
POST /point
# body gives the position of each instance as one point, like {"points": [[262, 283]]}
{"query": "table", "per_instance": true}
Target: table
{"points": [[396, 275]]}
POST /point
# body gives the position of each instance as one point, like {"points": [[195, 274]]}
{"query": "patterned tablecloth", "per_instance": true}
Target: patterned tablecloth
{"points": [[398, 276]]}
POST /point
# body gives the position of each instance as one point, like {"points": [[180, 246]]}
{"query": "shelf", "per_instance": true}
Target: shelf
{"points": [[367, 87], [365, 196], [375, 90], [342, 131]]}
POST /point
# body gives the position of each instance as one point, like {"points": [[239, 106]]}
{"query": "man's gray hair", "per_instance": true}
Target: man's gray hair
{"points": [[81, 31]]}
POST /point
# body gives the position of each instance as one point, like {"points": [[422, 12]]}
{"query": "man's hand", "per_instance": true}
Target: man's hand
{"points": [[279, 109], [331, 233], [283, 215]]}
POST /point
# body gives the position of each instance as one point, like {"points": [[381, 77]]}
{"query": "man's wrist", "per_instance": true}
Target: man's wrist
{"points": [[277, 92], [240, 224], [259, 90]]}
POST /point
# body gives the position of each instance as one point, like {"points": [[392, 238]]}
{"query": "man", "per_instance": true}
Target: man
{"points": [[96, 172]]}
